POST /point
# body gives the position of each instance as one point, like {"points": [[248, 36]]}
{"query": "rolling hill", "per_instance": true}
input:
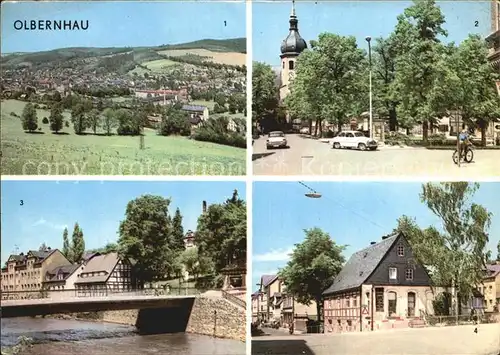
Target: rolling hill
{"points": [[219, 51]]}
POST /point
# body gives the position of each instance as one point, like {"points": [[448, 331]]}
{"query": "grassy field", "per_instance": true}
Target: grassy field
{"points": [[230, 58], [159, 65], [46, 153]]}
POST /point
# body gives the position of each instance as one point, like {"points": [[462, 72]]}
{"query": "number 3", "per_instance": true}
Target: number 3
{"points": [[22, 203]]}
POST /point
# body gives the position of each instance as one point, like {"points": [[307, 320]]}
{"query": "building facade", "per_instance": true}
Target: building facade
{"points": [[26, 272], [104, 274], [62, 277], [380, 287], [297, 313], [494, 38], [490, 288]]}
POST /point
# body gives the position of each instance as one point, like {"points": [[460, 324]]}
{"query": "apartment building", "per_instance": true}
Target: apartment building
{"points": [[490, 288], [27, 272]]}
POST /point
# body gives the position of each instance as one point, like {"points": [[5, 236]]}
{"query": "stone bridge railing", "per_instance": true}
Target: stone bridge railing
{"points": [[82, 293]]}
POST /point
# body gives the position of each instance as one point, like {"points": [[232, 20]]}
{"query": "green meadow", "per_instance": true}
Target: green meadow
{"points": [[46, 153]]}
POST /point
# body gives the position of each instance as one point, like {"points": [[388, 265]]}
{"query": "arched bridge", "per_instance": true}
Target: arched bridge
{"points": [[26, 304]]}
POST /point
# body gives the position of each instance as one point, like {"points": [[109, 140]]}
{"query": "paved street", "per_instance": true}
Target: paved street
{"points": [[312, 157], [459, 340]]}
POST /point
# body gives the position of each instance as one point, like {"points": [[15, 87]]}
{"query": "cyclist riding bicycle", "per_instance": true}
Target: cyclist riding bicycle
{"points": [[463, 139]]}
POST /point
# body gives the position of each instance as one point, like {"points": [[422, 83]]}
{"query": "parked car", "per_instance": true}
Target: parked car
{"points": [[276, 139], [304, 130], [353, 139]]}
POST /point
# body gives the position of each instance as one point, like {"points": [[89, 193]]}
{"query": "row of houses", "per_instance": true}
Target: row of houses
{"points": [[382, 286], [50, 270]]}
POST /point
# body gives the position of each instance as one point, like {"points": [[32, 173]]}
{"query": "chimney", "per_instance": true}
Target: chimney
{"points": [[373, 243], [384, 237], [204, 206]]}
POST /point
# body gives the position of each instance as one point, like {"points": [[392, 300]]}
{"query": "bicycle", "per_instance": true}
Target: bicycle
{"points": [[467, 154]]}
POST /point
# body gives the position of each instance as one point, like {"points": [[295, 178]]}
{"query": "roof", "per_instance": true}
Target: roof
{"points": [[89, 255], [98, 264], [266, 280], [361, 265], [196, 108], [66, 270], [492, 270]]}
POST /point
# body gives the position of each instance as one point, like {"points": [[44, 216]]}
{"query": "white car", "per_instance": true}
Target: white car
{"points": [[276, 139], [353, 139]]}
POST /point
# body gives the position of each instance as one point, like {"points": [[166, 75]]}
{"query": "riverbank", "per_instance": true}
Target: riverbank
{"points": [[70, 337], [212, 316]]}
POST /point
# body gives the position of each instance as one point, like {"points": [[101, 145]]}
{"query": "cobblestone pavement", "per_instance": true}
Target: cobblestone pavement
{"points": [[307, 156], [459, 340]]}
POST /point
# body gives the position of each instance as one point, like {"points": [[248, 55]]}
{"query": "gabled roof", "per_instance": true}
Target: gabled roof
{"points": [[195, 108], [104, 263], [361, 265], [266, 280], [66, 270]]}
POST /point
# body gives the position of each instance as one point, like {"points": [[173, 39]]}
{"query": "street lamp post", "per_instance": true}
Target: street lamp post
{"points": [[368, 39]]}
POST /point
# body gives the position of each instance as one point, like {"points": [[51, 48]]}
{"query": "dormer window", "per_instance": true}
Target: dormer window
{"points": [[401, 250]]}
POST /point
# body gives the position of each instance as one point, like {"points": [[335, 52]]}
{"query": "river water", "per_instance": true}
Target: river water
{"points": [[72, 337]]}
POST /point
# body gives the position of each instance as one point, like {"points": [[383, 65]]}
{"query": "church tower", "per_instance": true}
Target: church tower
{"points": [[291, 47]]}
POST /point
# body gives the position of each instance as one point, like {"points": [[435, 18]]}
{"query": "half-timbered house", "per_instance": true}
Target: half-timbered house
{"points": [[382, 286]]}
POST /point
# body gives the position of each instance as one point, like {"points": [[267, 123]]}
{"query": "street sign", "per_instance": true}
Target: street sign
{"points": [[365, 310]]}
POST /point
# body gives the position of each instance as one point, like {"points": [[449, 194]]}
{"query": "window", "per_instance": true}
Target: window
{"points": [[409, 274], [290, 65], [411, 304], [358, 134], [354, 302], [341, 134], [283, 65], [379, 299], [401, 250], [349, 135], [347, 302], [392, 298], [393, 273]]}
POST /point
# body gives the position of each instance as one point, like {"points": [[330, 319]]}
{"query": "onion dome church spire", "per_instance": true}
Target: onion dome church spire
{"points": [[293, 44]]}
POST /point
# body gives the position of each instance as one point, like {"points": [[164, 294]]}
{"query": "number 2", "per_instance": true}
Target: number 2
{"points": [[476, 23]]}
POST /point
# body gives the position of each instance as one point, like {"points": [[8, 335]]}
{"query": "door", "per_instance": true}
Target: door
{"points": [[350, 140], [341, 138]]}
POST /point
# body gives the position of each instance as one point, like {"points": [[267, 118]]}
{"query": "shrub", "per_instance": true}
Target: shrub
{"points": [[397, 138], [437, 139], [45, 120], [215, 130]]}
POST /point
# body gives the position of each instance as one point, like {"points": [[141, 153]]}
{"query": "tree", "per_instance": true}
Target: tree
{"points": [[264, 91], [29, 118], [330, 80], [195, 264], [313, 265], [456, 256], [145, 235], [108, 248], [221, 234], [43, 247], [417, 72], [498, 251], [109, 122], [67, 251], [79, 119], [384, 69], [56, 118], [94, 120], [177, 232], [77, 244], [470, 84]]}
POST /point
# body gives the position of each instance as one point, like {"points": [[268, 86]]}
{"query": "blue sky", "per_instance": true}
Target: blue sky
{"points": [[353, 213], [116, 24], [98, 207], [356, 18]]}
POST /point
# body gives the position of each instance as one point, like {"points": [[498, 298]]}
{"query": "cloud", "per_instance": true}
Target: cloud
{"points": [[274, 255], [43, 222]]}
